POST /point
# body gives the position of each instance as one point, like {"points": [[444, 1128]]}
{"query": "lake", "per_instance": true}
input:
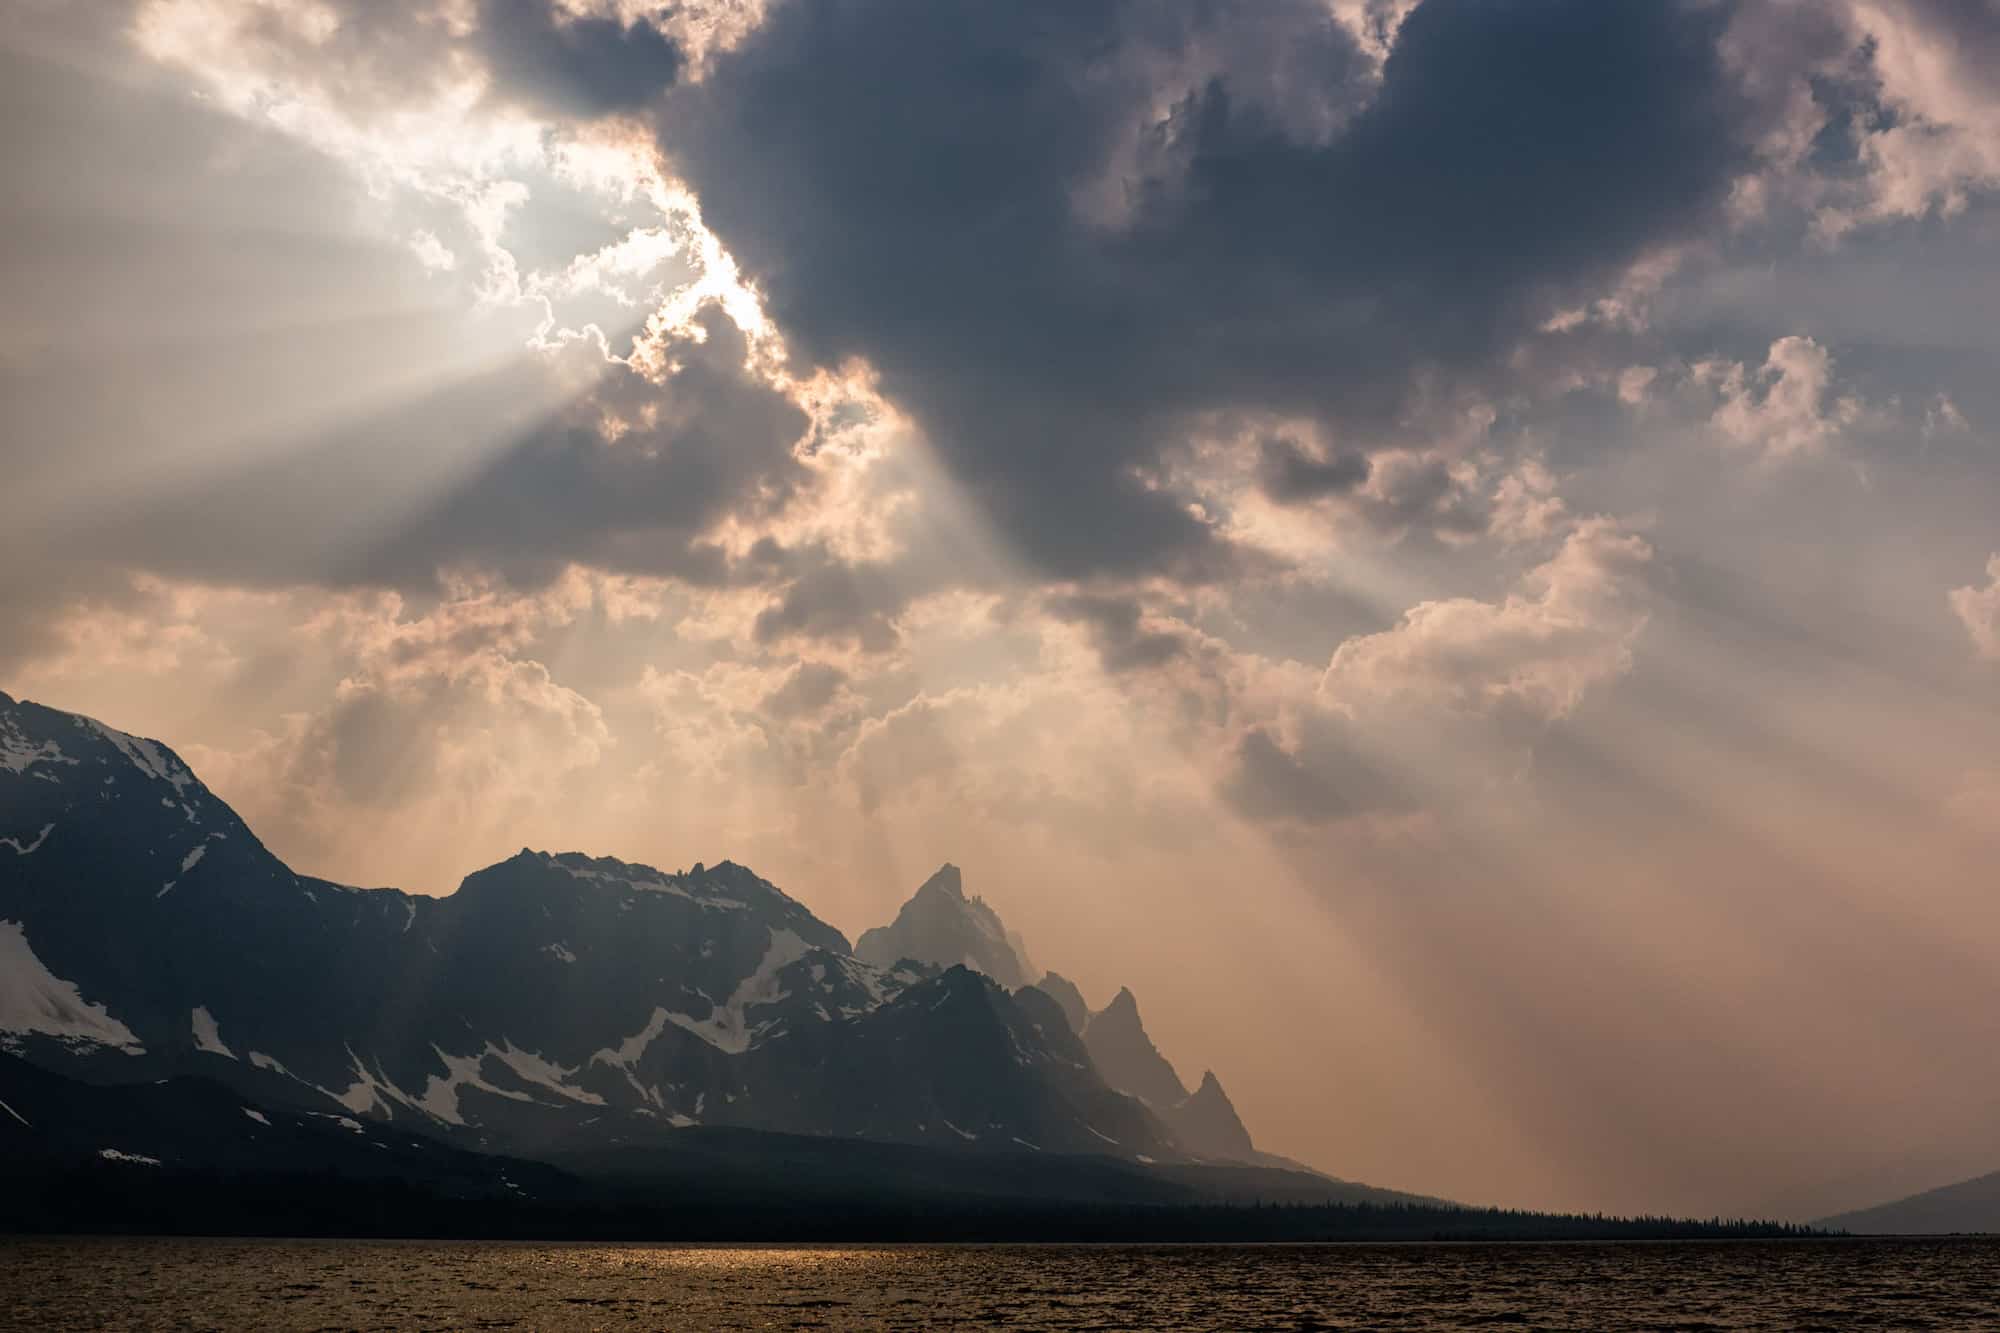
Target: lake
{"points": [[228, 1284]]}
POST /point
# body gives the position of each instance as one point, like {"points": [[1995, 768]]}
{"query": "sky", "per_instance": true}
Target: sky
{"points": [[1448, 544]]}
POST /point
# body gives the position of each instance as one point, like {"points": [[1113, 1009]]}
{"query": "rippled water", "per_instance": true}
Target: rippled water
{"points": [[175, 1284]]}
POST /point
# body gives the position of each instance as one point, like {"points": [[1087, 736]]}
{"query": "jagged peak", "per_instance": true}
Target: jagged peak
{"points": [[1124, 1005], [1068, 998], [946, 880]]}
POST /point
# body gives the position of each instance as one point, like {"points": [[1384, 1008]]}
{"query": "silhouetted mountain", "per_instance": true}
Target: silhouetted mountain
{"points": [[941, 926], [1126, 1056], [1969, 1206], [553, 1003], [1206, 1123], [1064, 993]]}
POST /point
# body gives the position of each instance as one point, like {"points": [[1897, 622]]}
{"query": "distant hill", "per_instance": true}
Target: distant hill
{"points": [[1969, 1206]]}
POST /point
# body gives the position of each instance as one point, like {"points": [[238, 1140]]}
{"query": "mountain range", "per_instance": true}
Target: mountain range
{"points": [[556, 1007], [178, 1003]]}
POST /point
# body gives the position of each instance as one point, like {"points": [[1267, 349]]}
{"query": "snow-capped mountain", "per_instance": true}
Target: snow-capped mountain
{"points": [[552, 1002], [940, 925]]}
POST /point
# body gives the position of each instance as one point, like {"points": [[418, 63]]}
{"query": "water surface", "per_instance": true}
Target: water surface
{"points": [[226, 1284]]}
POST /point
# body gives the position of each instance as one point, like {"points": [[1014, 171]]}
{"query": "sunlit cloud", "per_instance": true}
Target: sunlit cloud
{"points": [[1978, 609]]}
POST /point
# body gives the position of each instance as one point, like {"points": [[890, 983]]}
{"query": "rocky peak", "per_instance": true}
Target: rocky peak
{"points": [[1068, 998], [941, 925], [1207, 1123], [1126, 1056], [946, 882]]}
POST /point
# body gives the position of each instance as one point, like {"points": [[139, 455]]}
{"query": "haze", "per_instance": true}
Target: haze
{"points": [[1450, 546]]}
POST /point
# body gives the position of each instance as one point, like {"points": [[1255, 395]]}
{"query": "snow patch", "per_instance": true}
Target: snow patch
{"points": [[626, 1053], [193, 858], [18, 754], [32, 847], [16, 1114], [559, 952], [207, 1037], [674, 885], [962, 1133], [33, 999], [440, 1098], [727, 1028], [258, 1116], [370, 1089], [135, 1158], [145, 756], [536, 1069], [166, 888], [1102, 1135]]}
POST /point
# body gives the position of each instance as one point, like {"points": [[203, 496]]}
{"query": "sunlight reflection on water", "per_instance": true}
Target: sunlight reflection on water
{"points": [[135, 1284]]}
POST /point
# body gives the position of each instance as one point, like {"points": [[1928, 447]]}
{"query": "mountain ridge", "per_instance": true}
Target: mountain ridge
{"points": [[554, 1001]]}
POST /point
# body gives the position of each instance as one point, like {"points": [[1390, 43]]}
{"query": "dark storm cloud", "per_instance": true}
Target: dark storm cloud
{"points": [[712, 440], [585, 66], [1325, 780], [1290, 475], [904, 181], [1123, 643], [828, 599], [807, 689]]}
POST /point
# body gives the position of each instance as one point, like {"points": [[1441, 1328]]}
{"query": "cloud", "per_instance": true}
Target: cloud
{"points": [[806, 691], [1787, 408], [1978, 609], [1290, 475], [584, 64], [1124, 637], [441, 734], [1450, 699], [903, 183], [1535, 653], [1937, 141], [1323, 776], [631, 476]]}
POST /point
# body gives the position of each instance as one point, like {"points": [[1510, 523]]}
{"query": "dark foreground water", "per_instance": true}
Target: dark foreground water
{"points": [[175, 1284]]}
